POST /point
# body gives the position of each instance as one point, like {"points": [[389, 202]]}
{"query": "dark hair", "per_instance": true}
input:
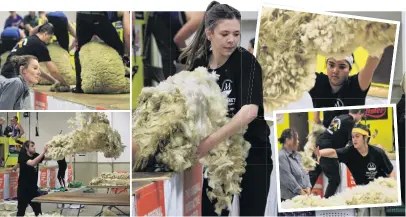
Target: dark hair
{"points": [[18, 61], [356, 111], [366, 128], [287, 134], [16, 118], [252, 42], [200, 45], [46, 28], [27, 143]]}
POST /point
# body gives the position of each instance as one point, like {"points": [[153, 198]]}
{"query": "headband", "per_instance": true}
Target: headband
{"points": [[350, 60], [360, 131]]}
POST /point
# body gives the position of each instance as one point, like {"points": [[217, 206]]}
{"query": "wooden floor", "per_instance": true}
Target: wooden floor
{"points": [[107, 101]]}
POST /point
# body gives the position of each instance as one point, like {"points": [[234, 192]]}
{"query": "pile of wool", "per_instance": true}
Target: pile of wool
{"points": [[289, 42], [381, 190], [108, 212], [61, 59], [92, 132], [102, 70], [3, 58], [174, 117], [111, 179], [308, 162]]}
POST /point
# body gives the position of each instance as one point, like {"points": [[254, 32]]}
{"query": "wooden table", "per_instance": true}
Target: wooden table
{"points": [[110, 200], [108, 101], [109, 187], [150, 176]]}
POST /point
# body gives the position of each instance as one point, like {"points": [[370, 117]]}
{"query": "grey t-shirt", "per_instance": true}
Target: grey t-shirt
{"points": [[12, 93]]}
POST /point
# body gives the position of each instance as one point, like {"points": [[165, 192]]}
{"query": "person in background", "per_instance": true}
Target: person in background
{"points": [[251, 45], [14, 20], [62, 28], [100, 23], [328, 116], [30, 22], [9, 38], [2, 120], [337, 135], [295, 178], [17, 129], [2, 162], [35, 45], [171, 30], [62, 166]]}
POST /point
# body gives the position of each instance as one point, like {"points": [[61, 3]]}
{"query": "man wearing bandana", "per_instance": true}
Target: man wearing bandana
{"points": [[337, 88]]}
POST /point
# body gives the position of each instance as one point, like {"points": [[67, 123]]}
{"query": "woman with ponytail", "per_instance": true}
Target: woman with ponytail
{"points": [[13, 91], [216, 46]]}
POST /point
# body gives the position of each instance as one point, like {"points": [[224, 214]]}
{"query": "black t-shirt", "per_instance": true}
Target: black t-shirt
{"points": [[329, 115], [365, 169], [350, 94], [338, 134], [28, 175], [31, 45], [241, 81]]}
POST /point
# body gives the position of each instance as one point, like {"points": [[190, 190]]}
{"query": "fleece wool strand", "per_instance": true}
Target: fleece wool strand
{"points": [[290, 41], [308, 162], [61, 58], [3, 58], [175, 116], [92, 133], [102, 70]]}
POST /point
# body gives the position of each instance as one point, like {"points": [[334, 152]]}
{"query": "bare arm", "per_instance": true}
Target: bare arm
{"points": [[54, 73], [366, 74], [36, 160], [328, 152], [317, 117], [243, 117], [34, 30], [71, 29], [191, 26], [21, 131]]}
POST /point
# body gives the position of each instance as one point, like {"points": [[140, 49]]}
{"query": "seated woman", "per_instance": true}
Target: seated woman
{"points": [[365, 162], [295, 178]]}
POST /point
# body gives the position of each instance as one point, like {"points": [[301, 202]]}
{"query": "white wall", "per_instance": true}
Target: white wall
{"points": [[389, 15], [5, 14]]}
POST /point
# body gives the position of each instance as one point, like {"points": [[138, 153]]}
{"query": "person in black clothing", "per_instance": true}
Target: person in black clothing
{"points": [[35, 45], [28, 161], [170, 30], [62, 166], [401, 113], [90, 23], [337, 88], [365, 162], [328, 116], [62, 28], [241, 82], [336, 136], [251, 45]]}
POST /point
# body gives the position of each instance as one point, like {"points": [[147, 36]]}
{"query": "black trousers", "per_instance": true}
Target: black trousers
{"points": [[24, 197], [60, 30], [331, 168], [255, 186], [88, 25], [164, 30], [61, 176]]}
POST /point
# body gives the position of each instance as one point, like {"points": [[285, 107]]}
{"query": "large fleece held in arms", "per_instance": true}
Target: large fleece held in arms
{"points": [[308, 162], [92, 132], [174, 117], [289, 42], [102, 70], [61, 58], [380, 191]]}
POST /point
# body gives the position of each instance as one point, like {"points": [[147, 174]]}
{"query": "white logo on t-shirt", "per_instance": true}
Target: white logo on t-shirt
{"points": [[371, 171], [339, 103], [227, 87]]}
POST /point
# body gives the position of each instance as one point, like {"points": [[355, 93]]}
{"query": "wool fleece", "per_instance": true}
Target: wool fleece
{"points": [[61, 59], [308, 162], [91, 133], [102, 70], [289, 42], [380, 191], [174, 117]]}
